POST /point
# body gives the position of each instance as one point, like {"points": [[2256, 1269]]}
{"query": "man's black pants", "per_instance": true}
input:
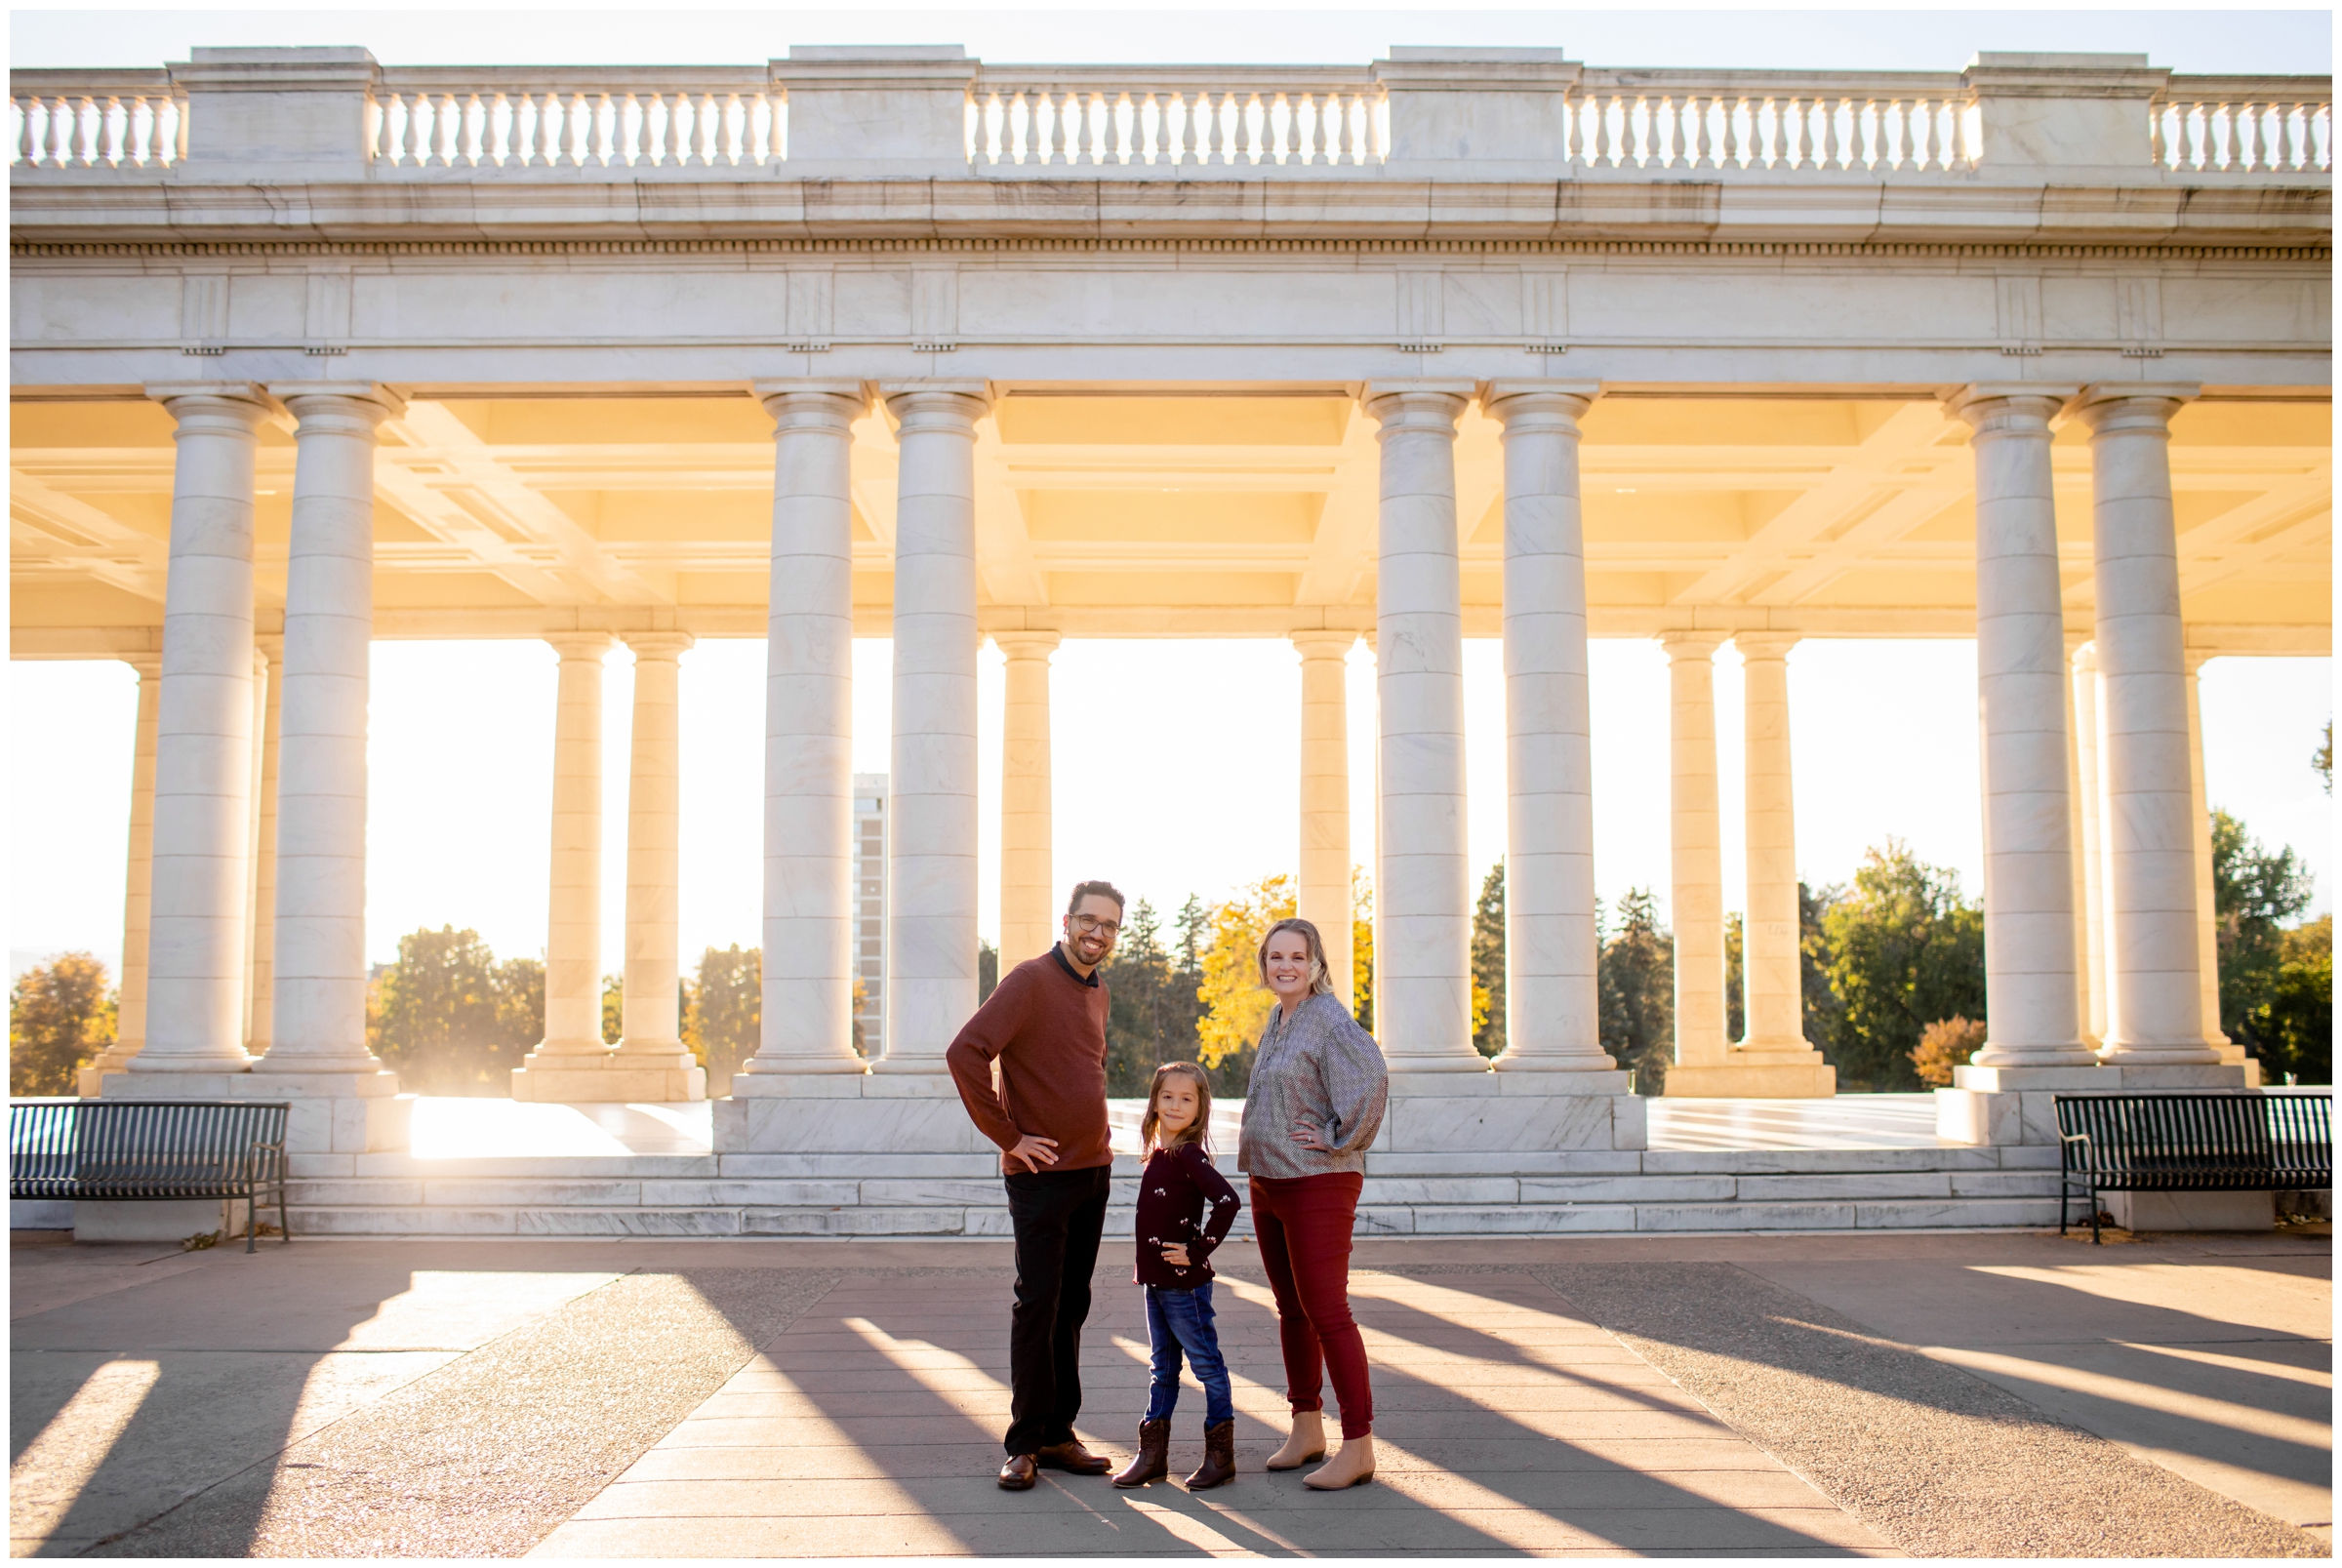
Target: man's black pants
{"points": [[1057, 1216]]}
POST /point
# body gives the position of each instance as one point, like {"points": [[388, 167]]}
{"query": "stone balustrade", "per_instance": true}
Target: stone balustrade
{"points": [[1522, 107]]}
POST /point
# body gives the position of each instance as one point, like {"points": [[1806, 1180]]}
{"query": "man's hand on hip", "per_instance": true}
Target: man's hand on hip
{"points": [[1035, 1152]]}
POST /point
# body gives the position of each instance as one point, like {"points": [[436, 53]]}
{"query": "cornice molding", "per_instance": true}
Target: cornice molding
{"points": [[1790, 250]]}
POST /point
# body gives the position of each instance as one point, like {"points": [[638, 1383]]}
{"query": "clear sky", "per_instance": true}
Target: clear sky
{"points": [[1869, 36], [1193, 788]]}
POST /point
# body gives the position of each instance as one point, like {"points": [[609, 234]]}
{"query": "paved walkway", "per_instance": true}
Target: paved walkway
{"points": [[1945, 1394]]}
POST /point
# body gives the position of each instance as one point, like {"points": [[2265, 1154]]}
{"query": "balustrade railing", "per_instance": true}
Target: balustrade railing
{"points": [[442, 119], [1108, 118], [94, 119], [2244, 125], [1766, 120]]}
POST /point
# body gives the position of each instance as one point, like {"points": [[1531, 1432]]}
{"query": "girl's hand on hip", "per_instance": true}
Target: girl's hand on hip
{"points": [[1175, 1253]]}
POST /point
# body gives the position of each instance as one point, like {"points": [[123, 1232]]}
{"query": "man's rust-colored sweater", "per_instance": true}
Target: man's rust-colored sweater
{"points": [[1046, 1027]]}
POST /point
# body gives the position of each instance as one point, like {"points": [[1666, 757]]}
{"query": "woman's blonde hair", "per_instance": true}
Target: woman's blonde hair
{"points": [[1321, 984], [1198, 1131]]}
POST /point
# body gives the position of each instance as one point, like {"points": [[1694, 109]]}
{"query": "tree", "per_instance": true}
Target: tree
{"points": [[1236, 1002], [727, 1013], [2267, 972], [987, 970], [1736, 1012], [2322, 760], [1361, 948], [614, 1009], [1944, 1045], [1903, 948], [1489, 964], [2291, 1027], [59, 1015], [1820, 1003], [453, 1019], [1634, 981], [1141, 1014]]}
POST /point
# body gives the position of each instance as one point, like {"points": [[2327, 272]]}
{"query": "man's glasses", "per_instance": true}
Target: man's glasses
{"points": [[1090, 925]]}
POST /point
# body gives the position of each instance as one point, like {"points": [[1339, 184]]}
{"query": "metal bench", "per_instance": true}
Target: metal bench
{"points": [[151, 1150], [2247, 1141]]}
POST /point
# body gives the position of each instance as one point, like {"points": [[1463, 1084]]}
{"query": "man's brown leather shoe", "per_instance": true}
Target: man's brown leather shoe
{"points": [[1019, 1473], [1070, 1455]]}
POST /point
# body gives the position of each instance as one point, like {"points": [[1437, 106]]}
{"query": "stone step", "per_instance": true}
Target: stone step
{"points": [[1426, 1219]]}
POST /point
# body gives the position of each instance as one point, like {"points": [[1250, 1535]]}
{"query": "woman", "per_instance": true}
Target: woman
{"points": [[1315, 1102]]}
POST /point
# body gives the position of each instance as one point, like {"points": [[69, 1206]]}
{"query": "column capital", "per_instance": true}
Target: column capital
{"points": [[581, 644], [351, 408], [1995, 407], [658, 644], [1766, 644], [813, 404], [2133, 406], [220, 408], [1525, 403], [1690, 644], [149, 666], [2193, 660], [1316, 643], [1410, 405], [936, 405], [1026, 644]]}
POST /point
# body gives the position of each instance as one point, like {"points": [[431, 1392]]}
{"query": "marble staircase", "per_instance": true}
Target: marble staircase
{"points": [[1875, 1170]]}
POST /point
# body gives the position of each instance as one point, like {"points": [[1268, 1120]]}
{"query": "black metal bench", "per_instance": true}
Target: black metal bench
{"points": [[2247, 1141], [140, 1149]]}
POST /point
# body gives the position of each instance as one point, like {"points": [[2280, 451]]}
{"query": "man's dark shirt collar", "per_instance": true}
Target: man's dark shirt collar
{"points": [[1056, 951]]}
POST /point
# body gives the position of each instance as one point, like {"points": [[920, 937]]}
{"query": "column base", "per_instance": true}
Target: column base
{"points": [[1753, 1073], [549, 1078], [89, 1082], [2015, 1105], [332, 1113], [1511, 1112], [2192, 1211], [847, 1114]]}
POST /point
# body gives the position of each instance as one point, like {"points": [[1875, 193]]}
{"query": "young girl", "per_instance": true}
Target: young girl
{"points": [[1174, 1243]]}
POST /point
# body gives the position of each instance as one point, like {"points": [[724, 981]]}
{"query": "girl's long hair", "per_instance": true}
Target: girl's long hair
{"points": [[1198, 1131]]}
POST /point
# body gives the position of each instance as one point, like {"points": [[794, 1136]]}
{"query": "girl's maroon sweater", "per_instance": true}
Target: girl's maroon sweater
{"points": [[1173, 1191]]}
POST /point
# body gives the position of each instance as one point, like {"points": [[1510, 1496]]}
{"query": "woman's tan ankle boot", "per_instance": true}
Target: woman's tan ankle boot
{"points": [[1307, 1444], [1351, 1465]]}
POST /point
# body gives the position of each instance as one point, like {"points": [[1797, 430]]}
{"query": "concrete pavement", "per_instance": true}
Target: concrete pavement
{"points": [[1603, 1396]]}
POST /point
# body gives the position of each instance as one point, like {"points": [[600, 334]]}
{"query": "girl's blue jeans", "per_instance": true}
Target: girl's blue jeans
{"points": [[1181, 1320]]}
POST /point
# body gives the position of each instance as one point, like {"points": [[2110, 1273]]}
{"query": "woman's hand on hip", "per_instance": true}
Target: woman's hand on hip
{"points": [[1310, 1135]]}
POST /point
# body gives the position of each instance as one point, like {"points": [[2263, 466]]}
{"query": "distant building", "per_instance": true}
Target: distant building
{"points": [[870, 909]]}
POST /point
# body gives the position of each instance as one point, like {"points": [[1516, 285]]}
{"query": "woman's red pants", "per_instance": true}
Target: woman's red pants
{"points": [[1303, 1226]]}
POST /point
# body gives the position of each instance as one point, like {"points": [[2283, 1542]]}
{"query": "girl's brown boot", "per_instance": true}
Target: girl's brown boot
{"points": [[1219, 1458], [1153, 1461]]}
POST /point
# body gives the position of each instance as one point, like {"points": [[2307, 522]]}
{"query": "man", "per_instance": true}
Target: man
{"points": [[1044, 1027]]}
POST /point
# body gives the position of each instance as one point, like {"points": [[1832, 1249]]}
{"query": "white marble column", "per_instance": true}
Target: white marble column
{"points": [[931, 895], [2208, 917], [2078, 821], [569, 1062], [1423, 967], [808, 1000], [2032, 1002], [202, 739], [269, 679], [2083, 681], [1770, 963], [1324, 897], [2156, 982], [652, 1063], [1696, 860], [1553, 1005], [319, 931], [130, 1011], [1029, 894]]}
